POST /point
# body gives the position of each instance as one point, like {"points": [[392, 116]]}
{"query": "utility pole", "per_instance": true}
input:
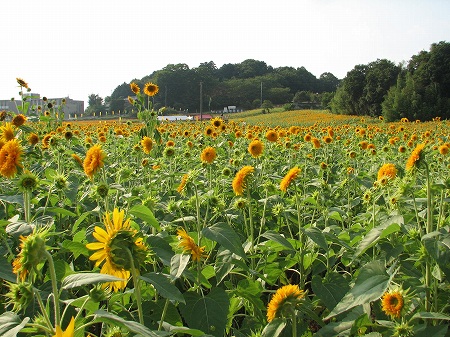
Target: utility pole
{"points": [[201, 100], [261, 94]]}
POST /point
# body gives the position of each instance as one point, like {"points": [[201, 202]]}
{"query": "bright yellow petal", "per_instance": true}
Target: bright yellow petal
{"points": [[95, 245], [70, 329]]}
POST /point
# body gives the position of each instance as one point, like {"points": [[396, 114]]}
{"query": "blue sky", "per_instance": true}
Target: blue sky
{"points": [[76, 48]]}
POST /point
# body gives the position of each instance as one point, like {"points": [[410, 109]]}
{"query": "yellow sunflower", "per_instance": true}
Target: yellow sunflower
{"points": [[388, 171], [19, 120], [208, 155], [272, 136], [115, 247], [151, 89], [284, 301], [188, 244], [392, 303], [414, 157], [135, 88], [147, 144], [240, 180], [70, 330], [256, 148], [10, 159], [289, 178], [183, 183], [22, 83], [7, 132], [94, 160]]}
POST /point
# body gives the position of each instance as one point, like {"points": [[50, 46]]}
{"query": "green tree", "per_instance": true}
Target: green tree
{"points": [[95, 104]]}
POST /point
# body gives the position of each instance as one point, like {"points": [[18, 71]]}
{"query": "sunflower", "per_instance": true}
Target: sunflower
{"points": [[188, 244], [387, 171], [208, 155], [22, 83], [255, 148], [94, 160], [415, 156], [77, 159], [444, 149], [70, 330], [240, 180], [315, 142], [7, 132], [284, 301], [19, 120], [217, 122], [151, 89], [32, 254], [392, 303], [10, 154], [147, 144], [272, 136], [183, 183], [289, 178], [115, 247], [135, 88], [209, 130]]}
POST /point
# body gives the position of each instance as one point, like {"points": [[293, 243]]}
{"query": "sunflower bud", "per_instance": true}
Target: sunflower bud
{"points": [[20, 295]]}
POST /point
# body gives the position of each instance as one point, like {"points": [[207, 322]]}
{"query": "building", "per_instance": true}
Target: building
{"points": [[70, 108]]}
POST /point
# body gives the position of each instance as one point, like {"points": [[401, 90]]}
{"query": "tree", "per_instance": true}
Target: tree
{"points": [[95, 104]]}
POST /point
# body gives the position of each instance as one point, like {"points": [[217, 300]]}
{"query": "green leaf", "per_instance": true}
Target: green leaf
{"points": [[183, 330], [178, 264], [144, 213], [79, 221], [10, 324], [12, 199], [226, 236], [423, 330], [6, 270], [331, 289], [277, 237], [163, 286], [80, 279], [77, 248], [392, 225], [161, 248], [437, 245], [208, 313], [370, 285], [135, 327], [317, 236], [431, 315], [61, 211], [274, 328]]}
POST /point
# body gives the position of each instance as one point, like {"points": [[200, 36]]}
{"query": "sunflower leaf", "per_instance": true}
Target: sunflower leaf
{"points": [[144, 213], [226, 236], [80, 279]]}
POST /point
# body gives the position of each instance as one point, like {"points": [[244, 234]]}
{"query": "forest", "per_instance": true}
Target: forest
{"points": [[418, 89]]}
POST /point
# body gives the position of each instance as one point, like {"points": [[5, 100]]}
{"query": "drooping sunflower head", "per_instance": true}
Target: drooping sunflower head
{"points": [[22, 83], [284, 302], [188, 244], [255, 148], [289, 178], [415, 158], [32, 253], [240, 181], [135, 88], [151, 89], [208, 155], [27, 181]]}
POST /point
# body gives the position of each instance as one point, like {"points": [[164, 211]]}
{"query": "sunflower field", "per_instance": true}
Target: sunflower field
{"points": [[327, 226]]}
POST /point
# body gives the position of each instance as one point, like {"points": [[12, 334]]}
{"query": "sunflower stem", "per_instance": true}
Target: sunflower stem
{"points": [[42, 306], [27, 206], [250, 216], [137, 288], [300, 239], [429, 229], [294, 324], [163, 315], [51, 268]]}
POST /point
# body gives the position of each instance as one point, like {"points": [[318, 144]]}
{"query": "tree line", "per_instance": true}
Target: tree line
{"points": [[417, 89]]}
